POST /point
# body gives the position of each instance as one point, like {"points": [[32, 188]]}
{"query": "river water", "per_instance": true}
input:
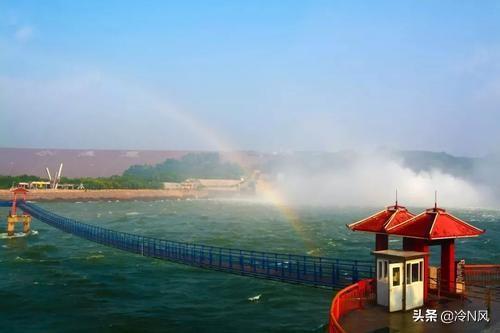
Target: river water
{"points": [[51, 281]]}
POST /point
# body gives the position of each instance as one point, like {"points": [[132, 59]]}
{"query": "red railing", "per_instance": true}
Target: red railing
{"points": [[350, 298], [481, 274]]}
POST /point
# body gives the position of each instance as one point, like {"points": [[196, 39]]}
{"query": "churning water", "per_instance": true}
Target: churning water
{"points": [[51, 281]]}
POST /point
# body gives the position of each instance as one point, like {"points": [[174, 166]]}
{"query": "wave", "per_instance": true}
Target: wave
{"points": [[18, 235], [95, 257]]}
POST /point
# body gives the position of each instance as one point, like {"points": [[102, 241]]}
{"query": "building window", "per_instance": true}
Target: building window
{"points": [[415, 272], [396, 276], [380, 269], [385, 268], [408, 280]]}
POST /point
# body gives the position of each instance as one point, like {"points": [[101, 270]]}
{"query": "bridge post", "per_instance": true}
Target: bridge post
{"points": [[242, 266], [355, 272], [314, 274], [320, 268], [220, 257], [14, 218]]}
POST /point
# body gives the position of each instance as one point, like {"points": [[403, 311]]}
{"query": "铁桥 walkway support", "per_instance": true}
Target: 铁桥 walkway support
{"points": [[13, 218]]}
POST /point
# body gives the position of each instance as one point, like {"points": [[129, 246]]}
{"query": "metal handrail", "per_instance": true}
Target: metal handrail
{"points": [[310, 270], [358, 292]]}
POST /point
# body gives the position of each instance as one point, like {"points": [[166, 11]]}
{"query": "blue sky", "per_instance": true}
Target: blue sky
{"points": [[269, 75]]}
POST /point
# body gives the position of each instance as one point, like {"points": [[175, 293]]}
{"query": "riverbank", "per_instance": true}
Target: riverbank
{"points": [[121, 194]]}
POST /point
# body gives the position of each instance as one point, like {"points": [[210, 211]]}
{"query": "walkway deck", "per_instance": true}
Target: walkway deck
{"points": [[376, 319], [332, 273]]}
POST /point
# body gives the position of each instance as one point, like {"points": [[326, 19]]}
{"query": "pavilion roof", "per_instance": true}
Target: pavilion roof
{"points": [[381, 221], [432, 224]]}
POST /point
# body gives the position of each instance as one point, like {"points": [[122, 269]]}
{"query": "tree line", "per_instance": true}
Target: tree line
{"points": [[192, 165]]}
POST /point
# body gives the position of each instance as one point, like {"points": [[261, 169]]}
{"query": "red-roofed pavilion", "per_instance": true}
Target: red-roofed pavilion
{"points": [[435, 226], [380, 222]]}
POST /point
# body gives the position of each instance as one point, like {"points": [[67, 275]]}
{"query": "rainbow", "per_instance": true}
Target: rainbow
{"points": [[270, 193]]}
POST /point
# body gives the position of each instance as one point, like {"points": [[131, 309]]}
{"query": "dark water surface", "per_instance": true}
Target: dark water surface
{"points": [[56, 282]]}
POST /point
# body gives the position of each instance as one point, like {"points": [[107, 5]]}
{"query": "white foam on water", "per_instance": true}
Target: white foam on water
{"points": [[95, 256], [18, 235], [23, 259], [132, 213], [255, 298]]}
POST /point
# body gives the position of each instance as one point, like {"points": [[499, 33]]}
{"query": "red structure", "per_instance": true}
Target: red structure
{"points": [[434, 226], [380, 222], [15, 192], [13, 218], [349, 299]]}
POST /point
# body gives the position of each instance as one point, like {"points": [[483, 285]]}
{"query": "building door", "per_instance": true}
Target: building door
{"points": [[414, 284], [382, 282], [395, 287]]}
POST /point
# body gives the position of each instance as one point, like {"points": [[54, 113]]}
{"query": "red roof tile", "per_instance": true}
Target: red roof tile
{"points": [[379, 222], [434, 223]]}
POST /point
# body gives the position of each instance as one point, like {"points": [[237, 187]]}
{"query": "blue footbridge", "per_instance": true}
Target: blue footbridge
{"points": [[333, 273]]}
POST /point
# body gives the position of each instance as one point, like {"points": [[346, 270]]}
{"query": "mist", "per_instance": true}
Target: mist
{"points": [[371, 179]]}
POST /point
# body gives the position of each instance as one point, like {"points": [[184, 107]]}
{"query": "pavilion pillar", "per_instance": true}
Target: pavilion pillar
{"points": [[448, 265], [381, 242]]}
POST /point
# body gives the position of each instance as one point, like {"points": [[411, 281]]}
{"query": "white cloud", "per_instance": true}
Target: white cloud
{"points": [[24, 33]]}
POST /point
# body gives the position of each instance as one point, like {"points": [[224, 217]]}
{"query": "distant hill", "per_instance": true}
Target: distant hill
{"points": [[420, 161], [98, 163], [105, 163], [484, 170], [78, 163]]}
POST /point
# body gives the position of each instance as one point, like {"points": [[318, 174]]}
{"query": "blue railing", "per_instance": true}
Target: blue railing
{"points": [[308, 270]]}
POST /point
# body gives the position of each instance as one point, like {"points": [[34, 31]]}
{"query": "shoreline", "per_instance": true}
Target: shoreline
{"points": [[108, 194]]}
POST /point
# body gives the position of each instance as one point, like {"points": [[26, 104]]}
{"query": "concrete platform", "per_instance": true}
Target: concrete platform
{"points": [[376, 319]]}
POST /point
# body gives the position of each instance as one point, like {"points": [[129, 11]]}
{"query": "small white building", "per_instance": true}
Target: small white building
{"points": [[222, 185], [172, 186], [400, 279]]}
